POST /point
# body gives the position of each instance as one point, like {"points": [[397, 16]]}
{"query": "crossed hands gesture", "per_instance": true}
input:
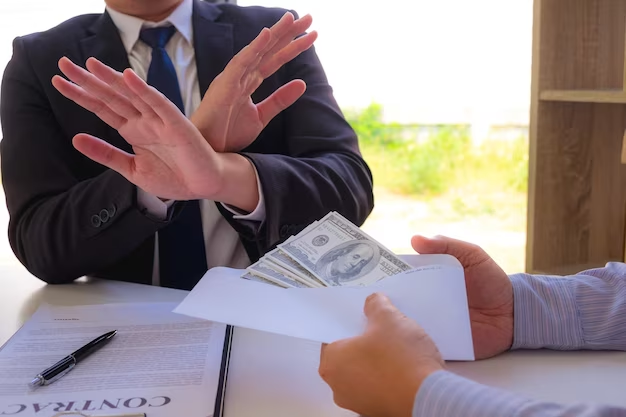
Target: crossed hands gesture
{"points": [[179, 158]]}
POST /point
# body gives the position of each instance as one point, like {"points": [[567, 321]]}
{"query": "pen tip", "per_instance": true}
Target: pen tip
{"points": [[36, 382]]}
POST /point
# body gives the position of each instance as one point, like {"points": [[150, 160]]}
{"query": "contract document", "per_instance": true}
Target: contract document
{"points": [[159, 363]]}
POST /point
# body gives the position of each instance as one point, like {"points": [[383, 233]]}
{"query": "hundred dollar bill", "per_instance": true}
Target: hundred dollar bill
{"points": [[264, 270], [339, 253], [306, 229], [265, 265], [251, 277], [280, 258], [303, 279]]}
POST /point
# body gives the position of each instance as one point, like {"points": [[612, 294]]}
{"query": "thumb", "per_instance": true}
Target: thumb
{"points": [[280, 100], [445, 245], [104, 153], [378, 307]]}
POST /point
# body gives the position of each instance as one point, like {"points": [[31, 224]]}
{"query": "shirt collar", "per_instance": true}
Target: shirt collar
{"points": [[130, 26]]}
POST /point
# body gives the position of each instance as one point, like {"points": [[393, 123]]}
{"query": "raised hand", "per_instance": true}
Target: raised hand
{"points": [[171, 158], [489, 293], [227, 116]]}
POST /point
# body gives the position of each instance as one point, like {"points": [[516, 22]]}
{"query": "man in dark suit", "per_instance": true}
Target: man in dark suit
{"points": [[289, 163]]}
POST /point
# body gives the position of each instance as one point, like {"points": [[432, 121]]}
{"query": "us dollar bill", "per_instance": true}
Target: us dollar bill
{"points": [[263, 270], [340, 254], [281, 259], [251, 277], [306, 229], [303, 279]]}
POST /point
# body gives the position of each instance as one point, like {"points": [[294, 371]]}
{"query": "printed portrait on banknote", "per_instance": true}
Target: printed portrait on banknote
{"points": [[349, 261]]}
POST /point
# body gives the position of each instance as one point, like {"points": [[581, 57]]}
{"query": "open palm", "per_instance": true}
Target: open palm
{"points": [[164, 141], [227, 116]]}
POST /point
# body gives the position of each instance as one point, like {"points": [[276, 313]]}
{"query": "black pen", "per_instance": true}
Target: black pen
{"points": [[66, 364]]}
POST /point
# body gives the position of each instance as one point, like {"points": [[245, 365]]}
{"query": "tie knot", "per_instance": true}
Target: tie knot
{"points": [[157, 37]]}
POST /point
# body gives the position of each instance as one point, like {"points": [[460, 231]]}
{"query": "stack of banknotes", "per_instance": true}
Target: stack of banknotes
{"points": [[329, 252]]}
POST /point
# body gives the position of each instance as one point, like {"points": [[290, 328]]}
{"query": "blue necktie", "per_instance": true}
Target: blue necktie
{"points": [[182, 255]]}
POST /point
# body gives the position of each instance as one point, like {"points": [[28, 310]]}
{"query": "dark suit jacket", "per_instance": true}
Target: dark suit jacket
{"points": [[307, 158]]}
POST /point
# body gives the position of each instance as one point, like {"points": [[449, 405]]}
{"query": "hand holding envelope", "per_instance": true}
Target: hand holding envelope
{"points": [[433, 294]]}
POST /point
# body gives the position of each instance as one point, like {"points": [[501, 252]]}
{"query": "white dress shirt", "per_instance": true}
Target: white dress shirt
{"points": [[222, 242]]}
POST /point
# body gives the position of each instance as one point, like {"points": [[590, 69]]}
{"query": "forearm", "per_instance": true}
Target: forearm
{"points": [[239, 183], [301, 190], [444, 394], [307, 159], [584, 311]]}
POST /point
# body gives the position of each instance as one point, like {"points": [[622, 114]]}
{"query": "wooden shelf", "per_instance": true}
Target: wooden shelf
{"points": [[576, 192], [585, 96]]}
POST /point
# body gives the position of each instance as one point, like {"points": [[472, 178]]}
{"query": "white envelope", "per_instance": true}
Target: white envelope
{"points": [[433, 294]]}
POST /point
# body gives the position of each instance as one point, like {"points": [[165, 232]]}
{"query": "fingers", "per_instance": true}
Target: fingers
{"points": [[238, 66], [445, 245], [282, 36], [279, 30], [163, 107], [287, 53], [323, 366], [378, 307], [285, 30], [88, 102], [273, 62], [271, 42], [97, 88], [333, 354], [281, 49], [323, 352], [281, 99], [115, 80], [286, 39], [104, 153]]}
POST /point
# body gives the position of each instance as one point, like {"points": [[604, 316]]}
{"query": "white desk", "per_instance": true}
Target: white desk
{"points": [[566, 377]]}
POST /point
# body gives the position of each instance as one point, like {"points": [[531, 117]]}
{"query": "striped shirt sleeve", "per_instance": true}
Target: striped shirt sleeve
{"points": [[444, 394], [584, 311]]}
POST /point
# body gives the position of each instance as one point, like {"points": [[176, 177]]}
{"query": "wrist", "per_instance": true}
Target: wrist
{"points": [[423, 373], [199, 121], [237, 183], [408, 389]]}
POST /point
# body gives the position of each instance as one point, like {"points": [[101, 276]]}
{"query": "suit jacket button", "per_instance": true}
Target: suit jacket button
{"points": [[112, 210], [104, 215], [96, 221], [284, 230]]}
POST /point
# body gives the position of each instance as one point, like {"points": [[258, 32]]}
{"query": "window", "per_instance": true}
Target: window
{"points": [[438, 92]]}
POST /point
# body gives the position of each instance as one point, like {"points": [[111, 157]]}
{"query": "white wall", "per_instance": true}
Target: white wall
{"points": [[21, 17], [426, 61]]}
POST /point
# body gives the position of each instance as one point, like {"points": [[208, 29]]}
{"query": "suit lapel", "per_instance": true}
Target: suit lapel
{"points": [[213, 43], [104, 43]]}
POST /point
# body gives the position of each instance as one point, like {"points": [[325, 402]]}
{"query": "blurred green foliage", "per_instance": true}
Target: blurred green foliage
{"points": [[416, 160]]}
